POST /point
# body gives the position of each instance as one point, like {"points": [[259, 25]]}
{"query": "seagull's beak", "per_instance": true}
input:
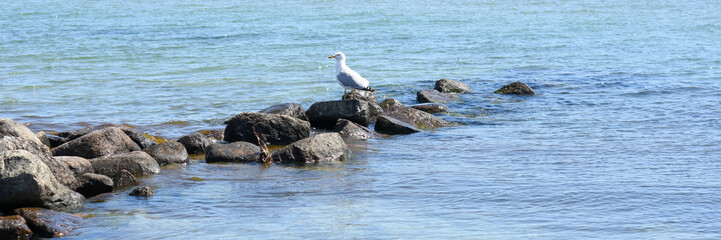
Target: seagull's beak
{"points": [[331, 56]]}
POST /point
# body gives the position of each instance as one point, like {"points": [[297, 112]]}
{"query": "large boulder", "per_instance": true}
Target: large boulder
{"points": [[137, 162], [389, 125], [25, 181], [77, 165], [319, 148], [168, 153], [516, 88], [433, 96], [451, 86], [60, 170], [48, 223], [326, 114], [288, 109], [91, 184], [415, 117], [390, 102], [273, 129], [14, 227], [361, 95], [432, 107], [350, 129], [195, 143], [137, 137], [8, 127], [239, 151], [99, 143]]}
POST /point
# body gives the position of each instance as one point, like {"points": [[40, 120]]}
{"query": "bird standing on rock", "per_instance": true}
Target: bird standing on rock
{"points": [[348, 78]]}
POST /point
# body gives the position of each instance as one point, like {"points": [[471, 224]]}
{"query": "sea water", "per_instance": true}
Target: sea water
{"points": [[621, 141]]}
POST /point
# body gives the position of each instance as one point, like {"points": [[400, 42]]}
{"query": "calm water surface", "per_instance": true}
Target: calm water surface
{"points": [[622, 140]]}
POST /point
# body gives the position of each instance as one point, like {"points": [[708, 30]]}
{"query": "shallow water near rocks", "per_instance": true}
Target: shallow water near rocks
{"points": [[621, 141]]}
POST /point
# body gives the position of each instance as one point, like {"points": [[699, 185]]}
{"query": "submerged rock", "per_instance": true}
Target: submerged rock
{"points": [[319, 148], [92, 184], [168, 153], [451, 86], [433, 96], [239, 151], [350, 129], [99, 143], [516, 88], [361, 95], [77, 165], [124, 179], [195, 143], [137, 163], [48, 223], [389, 125], [416, 118], [390, 102], [432, 107], [272, 128], [288, 109], [8, 127], [60, 170], [14, 227], [25, 181], [143, 191], [326, 114]]}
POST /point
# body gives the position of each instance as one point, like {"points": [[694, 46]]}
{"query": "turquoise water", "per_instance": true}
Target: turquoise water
{"points": [[621, 141]]}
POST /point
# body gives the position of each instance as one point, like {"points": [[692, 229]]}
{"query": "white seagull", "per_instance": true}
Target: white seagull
{"points": [[348, 78]]}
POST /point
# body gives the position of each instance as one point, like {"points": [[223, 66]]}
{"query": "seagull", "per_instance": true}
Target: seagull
{"points": [[348, 78]]}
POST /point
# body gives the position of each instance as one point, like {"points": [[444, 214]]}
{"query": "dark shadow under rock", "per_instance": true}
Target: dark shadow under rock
{"points": [[92, 184]]}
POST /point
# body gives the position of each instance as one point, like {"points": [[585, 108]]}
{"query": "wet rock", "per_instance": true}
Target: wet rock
{"points": [[43, 138], [14, 227], [99, 143], [124, 179], [143, 191], [350, 129], [25, 181], [432, 107], [361, 95], [8, 127], [274, 129], [517, 88], [168, 153], [433, 96], [77, 165], [326, 114], [451, 86], [60, 170], [239, 151], [319, 148], [137, 162], [416, 118], [92, 184], [389, 125], [213, 135], [48, 223], [195, 143], [141, 140], [288, 109], [390, 102]]}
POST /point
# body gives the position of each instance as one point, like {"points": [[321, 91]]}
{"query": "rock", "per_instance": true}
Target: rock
{"points": [[390, 102], [350, 129], [14, 227], [195, 143], [389, 125], [124, 179], [25, 181], [92, 184], [168, 153], [48, 223], [138, 137], [143, 191], [361, 95], [77, 165], [141, 140], [288, 109], [326, 114], [432, 107], [319, 148], [239, 151], [60, 170], [137, 162], [43, 138], [415, 117], [8, 127], [99, 143], [517, 88], [451, 86], [55, 140], [433, 96], [274, 129]]}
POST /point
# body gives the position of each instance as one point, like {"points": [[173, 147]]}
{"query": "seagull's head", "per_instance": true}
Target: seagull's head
{"points": [[338, 56]]}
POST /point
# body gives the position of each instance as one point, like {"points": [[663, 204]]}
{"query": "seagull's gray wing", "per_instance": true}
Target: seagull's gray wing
{"points": [[351, 79]]}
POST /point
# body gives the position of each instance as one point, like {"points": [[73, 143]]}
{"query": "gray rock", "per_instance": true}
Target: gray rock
{"points": [[432, 107], [350, 129], [433, 96], [14, 227], [124, 179], [60, 170], [416, 118], [43, 138], [390, 102], [168, 153], [389, 125], [25, 181], [274, 129], [195, 143], [288, 109], [517, 88], [99, 143], [77, 165], [48, 223], [141, 140], [143, 191], [326, 114], [92, 184], [319, 148], [55, 140], [8, 127], [451, 86], [138, 163], [239, 151], [361, 95]]}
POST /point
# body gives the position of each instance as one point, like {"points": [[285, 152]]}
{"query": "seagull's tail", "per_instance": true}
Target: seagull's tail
{"points": [[369, 89]]}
